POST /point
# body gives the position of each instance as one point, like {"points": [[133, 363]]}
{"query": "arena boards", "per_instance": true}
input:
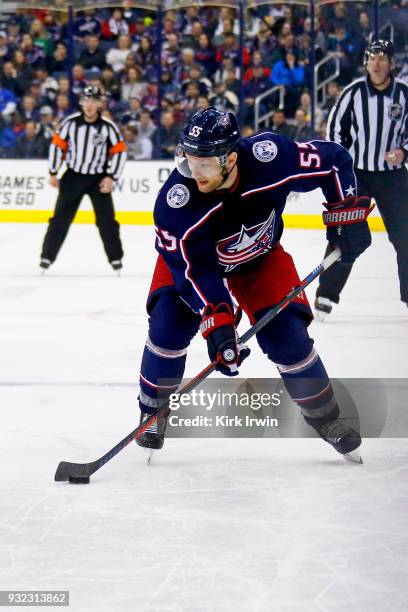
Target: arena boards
{"points": [[26, 197]]}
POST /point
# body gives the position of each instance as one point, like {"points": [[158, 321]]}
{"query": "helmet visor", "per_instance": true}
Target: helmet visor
{"points": [[199, 168]]}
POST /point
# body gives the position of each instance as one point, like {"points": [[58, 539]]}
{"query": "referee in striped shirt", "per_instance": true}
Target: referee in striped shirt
{"points": [[370, 119], [95, 153]]}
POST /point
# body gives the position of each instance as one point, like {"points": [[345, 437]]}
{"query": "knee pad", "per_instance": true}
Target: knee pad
{"points": [[172, 325], [287, 343], [285, 339]]}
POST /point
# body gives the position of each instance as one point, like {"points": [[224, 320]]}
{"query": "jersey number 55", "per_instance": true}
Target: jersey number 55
{"points": [[165, 240], [308, 155]]}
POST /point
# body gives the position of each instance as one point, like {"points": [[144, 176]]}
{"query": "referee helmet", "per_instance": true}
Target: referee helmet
{"points": [[379, 47], [92, 91]]}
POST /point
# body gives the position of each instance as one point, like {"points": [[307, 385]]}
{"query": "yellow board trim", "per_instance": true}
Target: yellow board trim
{"points": [[146, 218], [375, 224], [82, 216]]}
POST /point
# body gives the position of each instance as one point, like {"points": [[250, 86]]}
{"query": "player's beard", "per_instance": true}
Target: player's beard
{"points": [[210, 185]]}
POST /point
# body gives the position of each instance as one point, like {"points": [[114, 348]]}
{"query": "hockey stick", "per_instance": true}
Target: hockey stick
{"points": [[66, 471]]}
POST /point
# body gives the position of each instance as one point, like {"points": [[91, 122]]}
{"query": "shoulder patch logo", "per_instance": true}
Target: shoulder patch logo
{"points": [[178, 196], [265, 150]]}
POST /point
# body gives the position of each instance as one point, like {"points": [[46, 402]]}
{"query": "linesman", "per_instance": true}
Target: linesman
{"points": [[370, 119], [95, 153]]}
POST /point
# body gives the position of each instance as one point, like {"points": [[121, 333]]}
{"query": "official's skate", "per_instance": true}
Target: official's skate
{"points": [[117, 266], [323, 307], [44, 265]]}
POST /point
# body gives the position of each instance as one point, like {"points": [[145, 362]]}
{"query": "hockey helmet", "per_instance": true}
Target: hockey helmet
{"points": [[209, 133], [379, 47]]}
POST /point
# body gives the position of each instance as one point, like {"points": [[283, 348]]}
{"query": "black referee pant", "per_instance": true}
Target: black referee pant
{"points": [[390, 191], [73, 187]]}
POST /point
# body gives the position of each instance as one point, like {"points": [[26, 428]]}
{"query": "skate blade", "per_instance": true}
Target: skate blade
{"points": [[320, 316], [353, 457], [149, 452]]}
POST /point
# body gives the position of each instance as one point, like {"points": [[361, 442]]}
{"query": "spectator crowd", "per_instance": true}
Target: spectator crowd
{"points": [[117, 50]]}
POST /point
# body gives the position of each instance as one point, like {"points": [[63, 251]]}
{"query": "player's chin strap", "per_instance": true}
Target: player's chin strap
{"points": [[226, 176], [65, 470]]}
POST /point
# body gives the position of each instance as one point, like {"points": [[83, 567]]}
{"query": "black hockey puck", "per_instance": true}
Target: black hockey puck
{"points": [[79, 479]]}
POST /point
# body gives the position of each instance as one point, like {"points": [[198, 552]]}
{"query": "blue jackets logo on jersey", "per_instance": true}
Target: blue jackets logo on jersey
{"points": [[178, 196], [247, 244], [265, 150]]}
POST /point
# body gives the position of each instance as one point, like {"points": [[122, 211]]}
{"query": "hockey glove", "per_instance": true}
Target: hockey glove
{"points": [[218, 329], [347, 226]]}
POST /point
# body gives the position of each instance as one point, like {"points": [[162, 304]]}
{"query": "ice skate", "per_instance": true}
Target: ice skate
{"points": [[152, 439], [44, 265], [344, 440], [323, 307], [117, 266]]}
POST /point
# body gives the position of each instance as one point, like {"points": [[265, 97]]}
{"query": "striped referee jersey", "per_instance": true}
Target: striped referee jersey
{"points": [[88, 148], [369, 122]]}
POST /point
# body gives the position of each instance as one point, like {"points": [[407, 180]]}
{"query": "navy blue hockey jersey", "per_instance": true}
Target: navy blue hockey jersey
{"points": [[205, 237]]}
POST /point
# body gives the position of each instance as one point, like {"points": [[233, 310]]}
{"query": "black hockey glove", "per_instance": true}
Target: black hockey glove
{"points": [[347, 226], [218, 328]]}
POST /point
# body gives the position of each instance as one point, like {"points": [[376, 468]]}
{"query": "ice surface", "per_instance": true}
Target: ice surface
{"points": [[224, 525]]}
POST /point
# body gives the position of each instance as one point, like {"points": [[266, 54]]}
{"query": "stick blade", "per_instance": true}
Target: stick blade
{"points": [[65, 470]]}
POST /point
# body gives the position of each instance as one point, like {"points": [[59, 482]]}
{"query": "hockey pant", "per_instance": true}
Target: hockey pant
{"points": [[285, 339]]}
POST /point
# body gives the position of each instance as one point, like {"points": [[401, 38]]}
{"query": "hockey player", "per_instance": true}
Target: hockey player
{"points": [[218, 224]]}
